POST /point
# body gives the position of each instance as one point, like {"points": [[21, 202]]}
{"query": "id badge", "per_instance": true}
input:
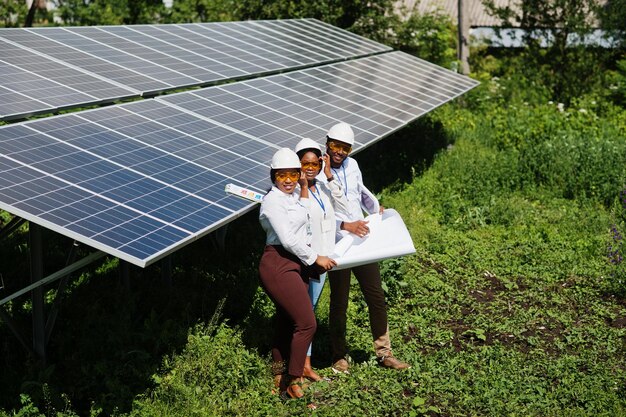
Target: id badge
{"points": [[327, 225]]}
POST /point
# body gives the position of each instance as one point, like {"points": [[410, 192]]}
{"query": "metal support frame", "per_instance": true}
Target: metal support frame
{"points": [[56, 276], [41, 328], [36, 274], [11, 226], [54, 310]]}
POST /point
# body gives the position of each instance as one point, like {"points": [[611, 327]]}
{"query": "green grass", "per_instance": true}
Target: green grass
{"points": [[498, 320]]}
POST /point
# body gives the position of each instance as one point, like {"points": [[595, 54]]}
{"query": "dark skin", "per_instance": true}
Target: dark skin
{"points": [[358, 227], [288, 186], [309, 172]]}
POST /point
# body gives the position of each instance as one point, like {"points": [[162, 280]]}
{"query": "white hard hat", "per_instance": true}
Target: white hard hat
{"points": [[307, 143], [285, 158], [341, 132]]}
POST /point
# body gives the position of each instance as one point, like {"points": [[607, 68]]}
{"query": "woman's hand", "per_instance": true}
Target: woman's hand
{"points": [[358, 227], [326, 161], [303, 181], [325, 263]]}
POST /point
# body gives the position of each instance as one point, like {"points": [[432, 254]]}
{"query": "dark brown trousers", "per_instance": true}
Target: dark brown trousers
{"points": [[370, 282], [286, 281]]}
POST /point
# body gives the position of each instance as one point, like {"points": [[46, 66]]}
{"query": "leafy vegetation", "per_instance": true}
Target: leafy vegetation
{"points": [[514, 303]]}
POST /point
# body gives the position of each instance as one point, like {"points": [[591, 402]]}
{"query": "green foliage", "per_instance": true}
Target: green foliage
{"points": [[12, 13], [555, 54], [616, 247], [617, 85], [214, 375], [613, 21], [429, 36], [101, 12]]}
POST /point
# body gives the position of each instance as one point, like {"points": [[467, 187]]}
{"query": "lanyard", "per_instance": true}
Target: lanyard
{"points": [[318, 198], [345, 180]]}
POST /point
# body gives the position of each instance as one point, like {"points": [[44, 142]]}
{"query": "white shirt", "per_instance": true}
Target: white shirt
{"points": [[327, 199], [359, 197], [287, 222]]}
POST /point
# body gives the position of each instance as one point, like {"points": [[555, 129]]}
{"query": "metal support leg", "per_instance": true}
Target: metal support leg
{"points": [[10, 227], [36, 274], [54, 310]]}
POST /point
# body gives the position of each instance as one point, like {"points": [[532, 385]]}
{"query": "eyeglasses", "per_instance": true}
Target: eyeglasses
{"points": [[310, 165], [283, 175], [339, 147]]}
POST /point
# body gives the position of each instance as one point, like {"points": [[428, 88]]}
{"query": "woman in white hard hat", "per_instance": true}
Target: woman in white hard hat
{"points": [[339, 141], [287, 263], [326, 197]]}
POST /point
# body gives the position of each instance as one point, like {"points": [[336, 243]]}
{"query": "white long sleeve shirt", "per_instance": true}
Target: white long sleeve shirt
{"points": [[287, 222], [359, 197], [327, 199]]}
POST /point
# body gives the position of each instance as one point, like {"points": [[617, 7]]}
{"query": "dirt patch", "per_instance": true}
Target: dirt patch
{"points": [[437, 266], [482, 296], [619, 323], [494, 282]]}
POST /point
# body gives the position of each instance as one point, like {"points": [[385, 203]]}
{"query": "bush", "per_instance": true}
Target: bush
{"points": [[214, 375]]}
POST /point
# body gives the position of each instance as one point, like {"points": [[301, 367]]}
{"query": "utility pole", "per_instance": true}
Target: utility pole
{"points": [[463, 47]]}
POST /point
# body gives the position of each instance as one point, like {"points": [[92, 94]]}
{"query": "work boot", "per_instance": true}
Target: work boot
{"points": [[341, 365], [392, 363]]}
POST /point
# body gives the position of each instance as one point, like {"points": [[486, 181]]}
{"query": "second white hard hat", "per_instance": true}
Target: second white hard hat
{"points": [[341, 132], [307, 143], [285, 158]]}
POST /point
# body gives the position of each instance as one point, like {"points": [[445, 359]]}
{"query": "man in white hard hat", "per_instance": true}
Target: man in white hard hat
{"points": [[339, 141]]}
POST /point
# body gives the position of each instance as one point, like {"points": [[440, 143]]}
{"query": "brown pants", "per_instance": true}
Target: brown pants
{"points": [[286, 281], [369, 280]]}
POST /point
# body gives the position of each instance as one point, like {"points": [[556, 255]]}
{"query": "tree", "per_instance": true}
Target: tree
{"points": [[190, 11], [12, 12], [613, 18], [555, 35], [108, 12]]}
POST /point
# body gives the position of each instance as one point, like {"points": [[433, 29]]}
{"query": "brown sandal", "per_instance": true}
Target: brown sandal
{"points": [[280, 383], [295, 389]]}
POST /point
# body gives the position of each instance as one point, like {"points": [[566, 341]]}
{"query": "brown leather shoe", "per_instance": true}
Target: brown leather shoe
{"points": [[392, 363], [341, 365]]}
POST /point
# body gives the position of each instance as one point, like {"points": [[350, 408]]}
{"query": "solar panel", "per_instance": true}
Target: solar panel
{"points": [[131, 196], [74, 66], [31, 82], [376, 95], [140, 180]]}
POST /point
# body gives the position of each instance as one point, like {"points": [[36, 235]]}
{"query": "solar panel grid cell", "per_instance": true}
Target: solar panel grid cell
{"points": [[36, 40]]}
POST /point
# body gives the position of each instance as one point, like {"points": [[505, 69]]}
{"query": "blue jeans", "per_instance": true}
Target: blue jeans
{"points": [[315, 290]]}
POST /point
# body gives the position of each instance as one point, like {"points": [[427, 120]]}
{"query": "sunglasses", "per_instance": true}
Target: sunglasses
{"points": [[310, 165], [283, 175], [339, 147]]}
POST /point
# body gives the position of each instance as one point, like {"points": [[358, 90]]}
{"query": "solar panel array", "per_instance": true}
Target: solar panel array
{"points": [[48, 69], [140, 180]]}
